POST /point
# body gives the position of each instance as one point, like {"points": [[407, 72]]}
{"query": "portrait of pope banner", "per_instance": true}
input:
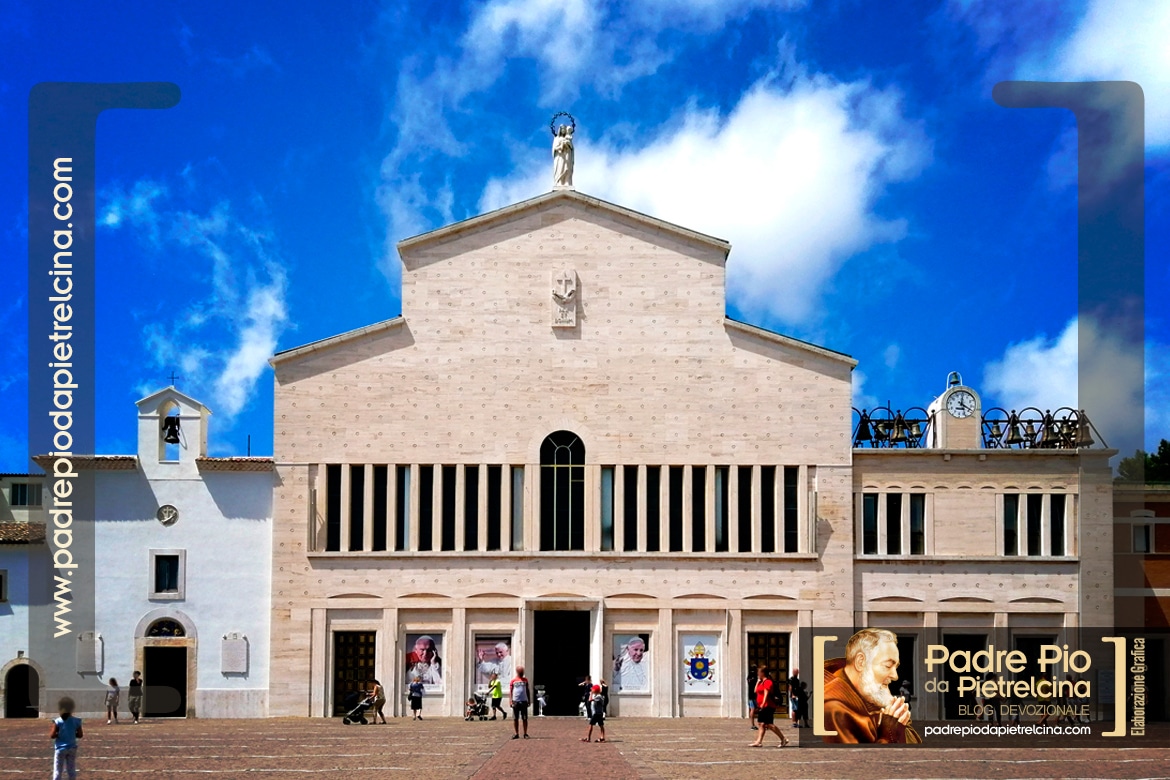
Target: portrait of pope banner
{"points": [[631, 663], [424, 659], [493, 655], [700, 663]]}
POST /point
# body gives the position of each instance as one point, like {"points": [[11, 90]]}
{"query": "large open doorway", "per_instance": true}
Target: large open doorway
{"points": [[560, 658], [22, 692], [770, 650], [955, 643], [353, 665], [164, 678]]}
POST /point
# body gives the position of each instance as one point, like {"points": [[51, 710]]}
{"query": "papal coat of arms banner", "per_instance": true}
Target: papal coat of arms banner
{"points": [[700, 663]]}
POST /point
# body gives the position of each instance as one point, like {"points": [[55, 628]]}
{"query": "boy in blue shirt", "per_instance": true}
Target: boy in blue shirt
{"points": [[66, 731]]}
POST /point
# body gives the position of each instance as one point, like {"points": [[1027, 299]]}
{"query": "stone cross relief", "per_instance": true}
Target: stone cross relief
{"points": [[564, 293]]}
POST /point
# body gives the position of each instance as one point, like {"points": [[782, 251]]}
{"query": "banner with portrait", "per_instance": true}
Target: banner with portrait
{"points": [[493, 655], [631, 663], [700, 663], [424, 659]]}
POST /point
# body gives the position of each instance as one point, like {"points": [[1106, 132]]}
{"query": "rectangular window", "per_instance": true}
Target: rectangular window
{"points": [[357, 494], [447, 513], [722, 473], [676, 508], [869, 513], [333, 507], [25, 494], [517, 507], [426, 506], [166, 574], [1141, 539], [1011, 524], [791, 505], [893, 524], [471, 507], [3, 586], [1035, 505], [917, 523], [607, 508], [768, 509], [380, 513], [1056, 524], [699, 509], [494, 504], [402, 511], [653, 474], [744, 490], [630, 511]]}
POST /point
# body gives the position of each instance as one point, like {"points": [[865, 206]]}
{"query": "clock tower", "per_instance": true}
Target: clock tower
{"points": [[956, 417]]}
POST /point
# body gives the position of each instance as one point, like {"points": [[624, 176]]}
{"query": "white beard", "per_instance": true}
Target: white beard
{"points": [[874, 691]]}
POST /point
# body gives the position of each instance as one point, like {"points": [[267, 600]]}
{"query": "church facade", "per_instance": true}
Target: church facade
{"points": [[564, 455]]}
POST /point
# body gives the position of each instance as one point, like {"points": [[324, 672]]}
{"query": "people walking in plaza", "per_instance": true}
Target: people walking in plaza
{"points": [[766, 708], [519, 696], [113, 696], [496, 692], [587, 685], [135, 695], [793, 687], [751, 697], [379, 694], [65, 733], [801, 713], [596, 708], [416, 697]]}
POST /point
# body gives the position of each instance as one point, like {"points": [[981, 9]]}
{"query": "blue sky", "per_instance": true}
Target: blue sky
{"points": [[877, 200]]}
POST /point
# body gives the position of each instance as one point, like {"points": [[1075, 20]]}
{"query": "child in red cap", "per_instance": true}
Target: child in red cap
{"points": [[596, 708]]}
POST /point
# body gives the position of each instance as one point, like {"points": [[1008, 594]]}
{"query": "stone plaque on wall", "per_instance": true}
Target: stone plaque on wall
{"points": [[564, 293], [233, 654], [89, 653]]}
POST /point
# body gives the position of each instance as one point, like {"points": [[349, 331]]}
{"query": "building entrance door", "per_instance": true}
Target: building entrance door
{"points": [[770, 650], [955, 643], [21, 692], [353, 664], [560, 658], [164, 677]]}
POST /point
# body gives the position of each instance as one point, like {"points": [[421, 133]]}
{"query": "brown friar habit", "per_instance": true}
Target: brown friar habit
{"points": [[854, 718]]}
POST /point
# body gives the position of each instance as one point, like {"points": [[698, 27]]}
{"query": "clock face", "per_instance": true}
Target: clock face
{"points": [[961, 404], [167, 514]]}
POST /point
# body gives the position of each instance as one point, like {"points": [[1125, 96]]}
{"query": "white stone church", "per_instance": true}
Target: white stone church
{"points": [[565, 448]]}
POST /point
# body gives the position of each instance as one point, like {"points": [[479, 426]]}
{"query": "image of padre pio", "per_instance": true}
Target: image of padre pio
{"points": [[858, 702]]}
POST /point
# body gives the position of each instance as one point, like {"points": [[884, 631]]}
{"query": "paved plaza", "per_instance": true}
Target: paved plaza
{"points": [[446, 749]]}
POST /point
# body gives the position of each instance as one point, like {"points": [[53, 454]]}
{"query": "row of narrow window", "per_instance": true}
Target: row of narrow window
{"points": [[915, 544], [562, 514], [499, 528], [1023, 524]]}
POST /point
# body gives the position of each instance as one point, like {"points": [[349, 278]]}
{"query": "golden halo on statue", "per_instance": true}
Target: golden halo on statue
{"points": [[552, 125]]}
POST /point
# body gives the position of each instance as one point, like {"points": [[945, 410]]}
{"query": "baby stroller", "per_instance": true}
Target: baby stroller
{"points": [[358, 713], [476, 707]]}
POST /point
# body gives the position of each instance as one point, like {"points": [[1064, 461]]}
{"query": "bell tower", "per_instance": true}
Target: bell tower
{"points": [[172, 433], [956, 417]]}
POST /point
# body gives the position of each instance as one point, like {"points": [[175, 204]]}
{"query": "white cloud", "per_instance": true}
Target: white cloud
{"points": [[862, 399], [571, 45], [790, 176], [892, 355], [1043, 372], [1099, 40], [223, 334], [1123, 40]]}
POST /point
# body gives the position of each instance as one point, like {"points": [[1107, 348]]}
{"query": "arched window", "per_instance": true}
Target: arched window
{"points": [[166, 627], [562, 492]]}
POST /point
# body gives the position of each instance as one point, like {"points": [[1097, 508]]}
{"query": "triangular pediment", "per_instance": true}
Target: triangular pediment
{"points": [[580, 204]]}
